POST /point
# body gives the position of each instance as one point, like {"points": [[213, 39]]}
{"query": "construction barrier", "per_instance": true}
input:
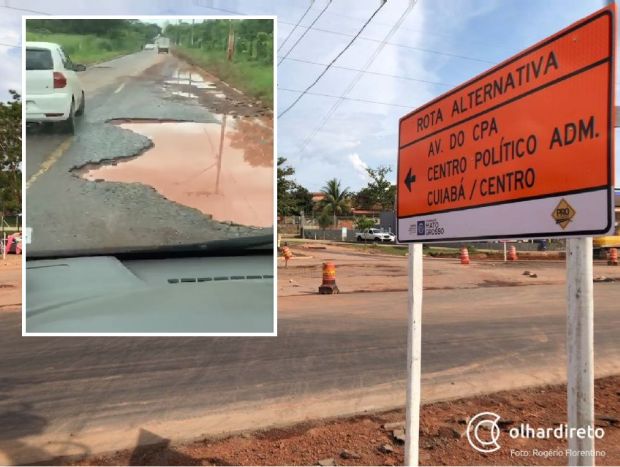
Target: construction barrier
{"points": [[512, 253], [613, 257], [329, 279], [287, 254], [464, 256], [14, 244]]}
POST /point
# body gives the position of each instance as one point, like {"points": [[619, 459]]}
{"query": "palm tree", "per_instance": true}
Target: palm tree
{"points": [[336, 199]]}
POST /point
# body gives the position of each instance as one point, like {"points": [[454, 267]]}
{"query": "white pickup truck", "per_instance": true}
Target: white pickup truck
{"points": [[375, 235]]}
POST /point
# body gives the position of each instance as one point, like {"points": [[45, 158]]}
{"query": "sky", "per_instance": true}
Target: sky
{"points": [[440, 44]]}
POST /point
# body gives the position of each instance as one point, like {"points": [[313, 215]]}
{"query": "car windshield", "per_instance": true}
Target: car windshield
{"points": [[134, 147], [39, 59]]}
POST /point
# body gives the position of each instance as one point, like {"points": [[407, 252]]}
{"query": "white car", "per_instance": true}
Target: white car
{"points": [[53, 89], [149, 47], [375, 235]]}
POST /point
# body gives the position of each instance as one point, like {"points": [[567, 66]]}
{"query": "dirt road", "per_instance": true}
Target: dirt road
{"points": [[363, 269], [11, 283], [334, 355]]}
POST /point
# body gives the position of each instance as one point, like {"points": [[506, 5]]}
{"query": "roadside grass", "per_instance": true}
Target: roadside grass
{"points": [[376, 248], [252, 77], [87, 49]]}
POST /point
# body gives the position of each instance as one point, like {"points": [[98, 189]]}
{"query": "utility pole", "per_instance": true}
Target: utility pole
{"points": [[219, 157], [231, 41], [191, 34]]}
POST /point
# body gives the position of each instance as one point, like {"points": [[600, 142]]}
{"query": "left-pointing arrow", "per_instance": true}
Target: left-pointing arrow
{"points": [[409, 179]]}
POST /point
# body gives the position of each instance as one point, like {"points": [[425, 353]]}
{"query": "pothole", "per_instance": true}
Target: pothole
{"points": [[188, 78], [184, 166], [184, 94], [193, 85]]}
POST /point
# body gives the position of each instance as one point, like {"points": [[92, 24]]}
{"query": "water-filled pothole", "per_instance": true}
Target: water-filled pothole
{"points": [[185, 166]]}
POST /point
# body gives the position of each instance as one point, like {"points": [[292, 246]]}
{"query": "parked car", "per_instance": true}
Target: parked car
{"points": [[54, 92], [375, 235]]}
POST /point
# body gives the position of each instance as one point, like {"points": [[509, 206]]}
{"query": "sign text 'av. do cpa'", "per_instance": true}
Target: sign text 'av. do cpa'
{"points": [[523, 150]]}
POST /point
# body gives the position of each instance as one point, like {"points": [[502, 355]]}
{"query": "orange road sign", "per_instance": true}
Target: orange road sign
{"points": [[523, 150]]}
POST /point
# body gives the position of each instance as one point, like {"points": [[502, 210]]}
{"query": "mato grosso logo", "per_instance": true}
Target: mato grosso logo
{"points": [[429, 227], [483, 432]]}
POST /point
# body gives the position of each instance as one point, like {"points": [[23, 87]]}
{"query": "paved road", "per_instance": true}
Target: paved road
{"points": [[67, 212], [40, 145], [333, 355]]}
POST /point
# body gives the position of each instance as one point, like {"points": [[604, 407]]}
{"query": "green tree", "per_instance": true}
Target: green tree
{"points": [[300, 200], [285, 185], [363, 223], [379, 193], [253, 37], [336, 199], [293, 199], [11, 154], [324, 220]]}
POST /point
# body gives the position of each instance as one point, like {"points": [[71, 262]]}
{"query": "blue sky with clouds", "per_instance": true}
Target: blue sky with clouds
{"points": [[441, 43]]}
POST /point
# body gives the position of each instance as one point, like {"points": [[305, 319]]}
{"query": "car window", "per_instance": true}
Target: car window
{"points": [[66, 61], [39, 59]]}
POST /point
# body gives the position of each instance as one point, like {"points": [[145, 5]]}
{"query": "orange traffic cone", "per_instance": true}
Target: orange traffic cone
{"points": [[287, 254], [512, 253], [329, 279], [613, 257], [464, 256]]}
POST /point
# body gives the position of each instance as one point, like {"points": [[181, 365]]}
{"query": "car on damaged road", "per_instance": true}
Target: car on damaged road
{"points": [[54, 93]]}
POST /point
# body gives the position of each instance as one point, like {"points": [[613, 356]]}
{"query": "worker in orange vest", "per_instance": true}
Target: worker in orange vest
{"points": [[286, 253]]}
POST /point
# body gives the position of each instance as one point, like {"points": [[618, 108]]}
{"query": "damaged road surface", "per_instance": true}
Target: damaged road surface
{"points": [[225, 169], [164, 155]]}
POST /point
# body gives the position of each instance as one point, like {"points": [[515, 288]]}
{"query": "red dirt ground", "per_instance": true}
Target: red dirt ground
{"points": [[363, 440], [11, 283]]}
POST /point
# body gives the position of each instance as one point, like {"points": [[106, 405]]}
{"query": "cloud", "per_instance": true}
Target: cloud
{"points": [[358, 165]]}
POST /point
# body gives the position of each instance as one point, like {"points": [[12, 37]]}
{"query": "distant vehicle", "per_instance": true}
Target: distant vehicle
{"points": [[149, 46], [163, 44], [54, 92], [375, 235], [603, 244]]}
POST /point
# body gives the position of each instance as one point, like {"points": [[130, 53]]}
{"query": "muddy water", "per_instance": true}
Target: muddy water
{"points": [[188, 82], [183, 165]]}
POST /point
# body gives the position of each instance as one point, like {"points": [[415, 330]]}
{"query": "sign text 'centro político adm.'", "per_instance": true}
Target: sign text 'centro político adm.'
{"points": [[523, 150]]}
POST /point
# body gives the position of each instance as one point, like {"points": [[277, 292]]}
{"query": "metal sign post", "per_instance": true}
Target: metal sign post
{"points": [[414, 354], [580, 348]]}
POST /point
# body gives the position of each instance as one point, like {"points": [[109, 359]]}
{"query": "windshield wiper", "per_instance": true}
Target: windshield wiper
{"points": [[255, 245]]}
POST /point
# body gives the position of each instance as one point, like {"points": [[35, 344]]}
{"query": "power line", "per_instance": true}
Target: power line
{"points": [[199, 3], [359, 75], [395, 44], [306, 31], [342, 15], [357, 99], [296, 25], [378, 73], [383, 2], [10, 45], [24, 9]]}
